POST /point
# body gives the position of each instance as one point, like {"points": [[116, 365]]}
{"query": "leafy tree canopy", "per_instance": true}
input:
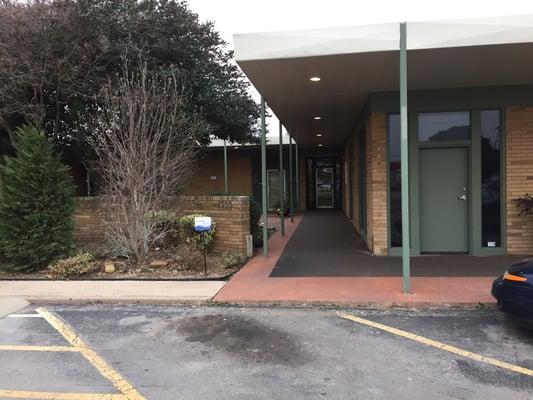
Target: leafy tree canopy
{"points": [[56, 55]]}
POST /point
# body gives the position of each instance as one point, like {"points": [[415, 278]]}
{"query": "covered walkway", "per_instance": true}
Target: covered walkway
{"points": [[399, 107], [326, 244]]}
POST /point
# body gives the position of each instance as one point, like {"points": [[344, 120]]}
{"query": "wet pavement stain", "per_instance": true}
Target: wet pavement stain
{"points": [[245, 338], [488, 375]]}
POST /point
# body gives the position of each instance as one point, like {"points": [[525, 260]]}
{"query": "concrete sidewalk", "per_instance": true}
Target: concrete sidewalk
{"points": [[10, 305], [112, 291]]}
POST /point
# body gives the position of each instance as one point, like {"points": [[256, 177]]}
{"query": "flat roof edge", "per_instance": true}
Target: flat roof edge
{"points": [[316, 42], [383, 37]]}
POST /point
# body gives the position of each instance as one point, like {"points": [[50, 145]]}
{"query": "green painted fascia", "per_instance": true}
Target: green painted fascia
{"points": [[490, 97]]}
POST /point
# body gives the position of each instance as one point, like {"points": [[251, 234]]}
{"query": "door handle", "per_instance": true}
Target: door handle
{"points": [[463, 197]]}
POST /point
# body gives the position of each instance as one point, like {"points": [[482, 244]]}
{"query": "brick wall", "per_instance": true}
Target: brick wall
{"points": [[376, 183], [90, 218], [209, 176], [375, 132], [519, 177], [230, 213]]}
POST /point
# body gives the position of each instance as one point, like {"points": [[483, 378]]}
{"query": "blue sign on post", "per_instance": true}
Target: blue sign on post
{"points": [[202, 224]]}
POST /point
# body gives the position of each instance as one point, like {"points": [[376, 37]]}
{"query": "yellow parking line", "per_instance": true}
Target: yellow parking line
{"points": [[98, 362], [37, 348], [438, 345], [21, 394]]}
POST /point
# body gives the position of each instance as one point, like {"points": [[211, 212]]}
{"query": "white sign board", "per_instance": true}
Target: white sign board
{"points": [[202, 224]]}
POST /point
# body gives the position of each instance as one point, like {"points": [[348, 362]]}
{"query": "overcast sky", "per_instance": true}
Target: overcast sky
{"points": [[243, 16]]}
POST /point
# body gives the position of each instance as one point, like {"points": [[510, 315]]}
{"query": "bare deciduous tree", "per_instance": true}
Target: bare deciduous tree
{"points": [[145, 144]]}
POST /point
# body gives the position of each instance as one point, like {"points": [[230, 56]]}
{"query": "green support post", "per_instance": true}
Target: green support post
{"points": [[281, 182], [290, 180], [297, 178], [225, 168], [264, 178], [404, 156]]}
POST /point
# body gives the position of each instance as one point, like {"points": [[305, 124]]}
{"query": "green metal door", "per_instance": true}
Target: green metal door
{"points": [[444, 199]]}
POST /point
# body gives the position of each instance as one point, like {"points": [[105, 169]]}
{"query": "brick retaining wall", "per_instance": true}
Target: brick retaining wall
{"points": [[230, 213]]}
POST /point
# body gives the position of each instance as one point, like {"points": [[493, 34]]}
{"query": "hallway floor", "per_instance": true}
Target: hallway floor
{"points": [[326, 244]]}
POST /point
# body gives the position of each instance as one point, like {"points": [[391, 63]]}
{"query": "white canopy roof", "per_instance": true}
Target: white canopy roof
{"points": [[382, 37], [470, 32], [356, 61]]}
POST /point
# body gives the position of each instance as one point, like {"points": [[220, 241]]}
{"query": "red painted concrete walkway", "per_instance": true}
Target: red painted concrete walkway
{"points": [[252, 284]]}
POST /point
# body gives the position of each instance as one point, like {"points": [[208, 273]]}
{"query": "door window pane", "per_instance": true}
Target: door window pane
{"points": [[443, 126], [490, 178], [324, 187], [274, 198], [395, 192]]}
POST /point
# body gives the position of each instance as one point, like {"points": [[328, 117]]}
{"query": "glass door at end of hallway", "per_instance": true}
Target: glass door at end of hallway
{"points": [[324, 187], [274, 198]]}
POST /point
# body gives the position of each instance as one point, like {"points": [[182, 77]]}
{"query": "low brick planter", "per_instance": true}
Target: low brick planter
{"points": [[230, 213]]}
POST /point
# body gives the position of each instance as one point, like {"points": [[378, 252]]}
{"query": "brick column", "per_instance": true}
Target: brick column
{"points": [[519, 177], [231, 215], [376, 183]]}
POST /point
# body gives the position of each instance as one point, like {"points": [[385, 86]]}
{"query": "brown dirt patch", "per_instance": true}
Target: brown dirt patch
{"points": [[183, 263]]}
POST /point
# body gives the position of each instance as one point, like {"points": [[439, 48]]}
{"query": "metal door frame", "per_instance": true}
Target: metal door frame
{"points": [[332, 190]]}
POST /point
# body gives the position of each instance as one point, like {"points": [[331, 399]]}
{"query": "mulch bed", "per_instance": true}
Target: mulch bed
{"points": [[181, 264]]}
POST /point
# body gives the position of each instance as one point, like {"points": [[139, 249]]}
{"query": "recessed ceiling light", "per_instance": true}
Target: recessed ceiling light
{"points": [[319, 134], [317, 117], [319, 145], [236, 147], [315, 79]]}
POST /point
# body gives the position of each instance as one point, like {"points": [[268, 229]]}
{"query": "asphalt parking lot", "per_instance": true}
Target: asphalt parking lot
{"points": [[119, 352]]}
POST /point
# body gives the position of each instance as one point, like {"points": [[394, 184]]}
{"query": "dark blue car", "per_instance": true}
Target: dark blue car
{"points": [[514, 290]]}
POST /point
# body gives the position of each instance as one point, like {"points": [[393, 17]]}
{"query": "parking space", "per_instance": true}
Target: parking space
{"points": [[29, 328], [51, 372], [172, 352], [41, 357]]}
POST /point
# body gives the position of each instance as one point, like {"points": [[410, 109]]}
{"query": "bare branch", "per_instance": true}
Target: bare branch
{"points": [[146, 145]]}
